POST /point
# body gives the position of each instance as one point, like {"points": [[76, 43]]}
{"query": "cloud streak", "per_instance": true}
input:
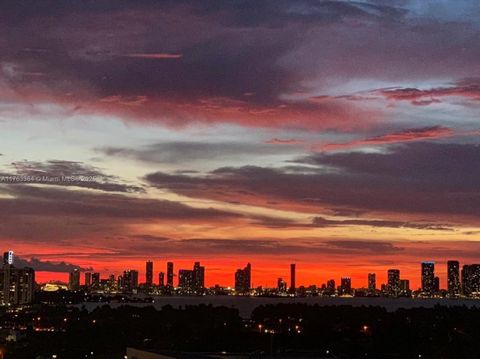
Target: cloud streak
{"points": [[408, 135]]}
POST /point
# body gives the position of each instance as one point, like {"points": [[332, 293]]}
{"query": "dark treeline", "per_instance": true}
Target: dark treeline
{"points": [[343, 331]]}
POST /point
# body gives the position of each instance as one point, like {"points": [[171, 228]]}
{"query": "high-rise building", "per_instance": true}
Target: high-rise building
{"points": [[161, 279], [96, 280], [149, 273], [130, 280], [453, 278], [18, 285], [293, 287], [331, 286], [170, 274], [112, 282], [88, 279], [428, 278], [243, 279], [404, 286], [8, 257], [393, 283], [345, 286], [186, 280], [436, 284], [74, 280], [198, 277], [372, 282], [470, 279], [281, 285]]}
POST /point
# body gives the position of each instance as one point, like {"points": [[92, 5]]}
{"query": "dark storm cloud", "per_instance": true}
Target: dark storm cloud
{"points": [[411, 178], [48, 266]]}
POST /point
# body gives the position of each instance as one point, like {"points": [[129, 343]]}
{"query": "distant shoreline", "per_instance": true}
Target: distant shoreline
{"points": [[246, 305]]}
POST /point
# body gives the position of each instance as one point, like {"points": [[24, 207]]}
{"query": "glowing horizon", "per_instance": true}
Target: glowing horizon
{"points": [[230, 133]]}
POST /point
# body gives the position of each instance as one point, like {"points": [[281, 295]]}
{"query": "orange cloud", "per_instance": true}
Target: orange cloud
{"points": [[395, 137]]}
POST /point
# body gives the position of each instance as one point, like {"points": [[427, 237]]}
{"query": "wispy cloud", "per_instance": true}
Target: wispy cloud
{"points": [[408, 135], [155, 56]]}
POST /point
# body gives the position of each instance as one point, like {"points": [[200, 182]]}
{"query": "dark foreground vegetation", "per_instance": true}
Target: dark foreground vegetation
{"points": [[273, 330]]}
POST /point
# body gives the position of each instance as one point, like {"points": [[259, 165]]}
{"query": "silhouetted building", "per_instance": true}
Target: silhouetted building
{"points": [[96, 280], [372, 282], [8, 258], [428, 277], [345, 286], [130, 280], [404, 286], [281, 285], [393, 283], [243, 279], [453, 278], [161, 279], [471, 279], [436, 284], [331, 287], [111, 282], [74, 280], [149, 273], [292, 278], [198, 277], [186, 280], [88, 279], [17, 284], [170, 274]]}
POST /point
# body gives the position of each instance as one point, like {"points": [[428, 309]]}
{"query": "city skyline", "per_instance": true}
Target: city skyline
{"points": [[339, 135], [242, 280]]}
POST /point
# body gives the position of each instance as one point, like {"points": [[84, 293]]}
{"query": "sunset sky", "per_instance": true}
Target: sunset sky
{"points": [[342, 136]]}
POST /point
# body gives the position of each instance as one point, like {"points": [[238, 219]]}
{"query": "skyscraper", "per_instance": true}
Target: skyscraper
{"points": [[470, 279], [436, 284], [88, 279], [198, 276], [393, 284], [428, 277], [372, 282], [186, 280], [281, 286], [74, 280], [96, 280], [405, 286], [18, 284], [161, 279], [149, 274], [8, 257], [345, 286], [293, 287], [243, 279], [130, 280], [331, 286], [453, 278], [170, 274]]}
